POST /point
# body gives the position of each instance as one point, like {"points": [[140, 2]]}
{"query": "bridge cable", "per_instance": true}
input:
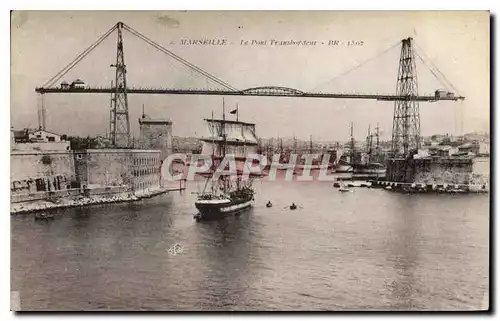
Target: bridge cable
{"points": [[191, 72], [176, 57], [443, 83], [432, 64], [184, 62], [357, 66], [82, 55], [437, 69]]}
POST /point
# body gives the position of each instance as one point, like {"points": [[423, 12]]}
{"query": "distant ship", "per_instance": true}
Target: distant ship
{"points": [[227, 195], [354, 162], [317, 162]]}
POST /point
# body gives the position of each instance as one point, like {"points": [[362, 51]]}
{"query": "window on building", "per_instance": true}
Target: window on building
{"points": [[51, 138], [40, 185]]}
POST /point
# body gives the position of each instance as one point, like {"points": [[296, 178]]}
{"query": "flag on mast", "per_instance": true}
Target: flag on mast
{"points": [[235, 112]]}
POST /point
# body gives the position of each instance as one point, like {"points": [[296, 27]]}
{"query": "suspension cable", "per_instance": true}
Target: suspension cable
{"points": [[436, 68], [176, 57], [357, 66], [443, 83], [82, 55]]}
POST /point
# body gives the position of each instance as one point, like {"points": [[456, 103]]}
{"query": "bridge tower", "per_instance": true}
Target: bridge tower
{"points": [[406, 121], [119, 118]]}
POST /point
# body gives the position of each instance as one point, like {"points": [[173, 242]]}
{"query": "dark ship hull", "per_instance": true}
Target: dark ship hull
{"points": [[213, 209], [370, 168]]}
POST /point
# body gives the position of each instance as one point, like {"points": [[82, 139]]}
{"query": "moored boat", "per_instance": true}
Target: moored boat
{"points": [[44, 216]]}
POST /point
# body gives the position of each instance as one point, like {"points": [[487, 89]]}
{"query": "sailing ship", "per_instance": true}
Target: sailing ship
{"points": [[358, 163], [346, 160], [370, 162], [317, 161], [285, 156], [228, 194]]}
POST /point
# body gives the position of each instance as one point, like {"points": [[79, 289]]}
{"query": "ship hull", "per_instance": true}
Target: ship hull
{"points": [[343, 169], [311, 167], [370, 171], [370, 168], [213, 211]]}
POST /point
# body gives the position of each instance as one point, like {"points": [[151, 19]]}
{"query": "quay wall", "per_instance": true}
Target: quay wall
{"points": [[46, 146], [107, 191], [40, 171], [51, 174], [446, 170], [38, 196], [140, 170]]}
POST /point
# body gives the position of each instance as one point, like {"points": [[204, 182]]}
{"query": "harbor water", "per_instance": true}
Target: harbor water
{"points": [[369, 249]]}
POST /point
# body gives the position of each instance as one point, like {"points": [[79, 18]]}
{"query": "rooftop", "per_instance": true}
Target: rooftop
{"points": [[228, 121], [154, 121]]}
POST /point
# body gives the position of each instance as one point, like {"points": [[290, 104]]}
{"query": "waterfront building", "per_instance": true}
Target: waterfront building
{"points": [[138, 170], [156, 134], [40, 170], [43, 136]]}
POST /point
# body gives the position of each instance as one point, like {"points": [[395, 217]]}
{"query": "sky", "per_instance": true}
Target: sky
{"points": [[43, 42]]}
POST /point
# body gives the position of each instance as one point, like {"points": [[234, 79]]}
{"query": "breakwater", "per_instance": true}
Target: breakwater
{"points": [[44, 205], [430, 188]]}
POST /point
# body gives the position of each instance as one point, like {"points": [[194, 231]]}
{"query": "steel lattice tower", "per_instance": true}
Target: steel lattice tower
{"points": [[406, 121], [119, 120]]}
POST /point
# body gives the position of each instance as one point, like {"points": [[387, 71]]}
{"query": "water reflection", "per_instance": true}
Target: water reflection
{"points": [[404, 252], [227, 259], [335, 254]]}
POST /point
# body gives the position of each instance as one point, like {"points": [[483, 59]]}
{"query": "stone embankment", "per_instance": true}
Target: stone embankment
{"points": [[43, 205]]}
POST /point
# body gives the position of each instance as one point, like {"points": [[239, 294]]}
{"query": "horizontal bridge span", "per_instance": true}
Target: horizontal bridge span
{"points": [[258, 91], [275, 91]]}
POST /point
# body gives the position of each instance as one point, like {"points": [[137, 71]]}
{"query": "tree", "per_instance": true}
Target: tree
{"points": [[79, 143]]}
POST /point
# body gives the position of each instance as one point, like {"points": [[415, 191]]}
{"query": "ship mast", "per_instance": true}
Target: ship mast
{"points": [[110, 113], [224, 140], [213, 149], [353, 156], [369, 144]]}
